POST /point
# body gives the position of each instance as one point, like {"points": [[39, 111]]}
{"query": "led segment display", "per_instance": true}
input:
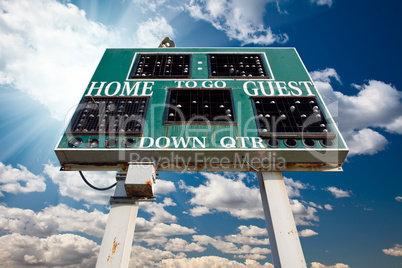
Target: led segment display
{"points": [[105, 116], [291, 117], [237, 65], [200, 106], [161, 66]]}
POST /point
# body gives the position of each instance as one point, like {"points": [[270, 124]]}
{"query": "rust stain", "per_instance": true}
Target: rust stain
{"points": [[115, 245], [114, 248], [140, 190], [244, 167]]}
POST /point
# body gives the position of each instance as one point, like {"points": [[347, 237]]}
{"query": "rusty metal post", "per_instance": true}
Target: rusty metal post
{"points": [[118, 237], [119, 233], [117, 240], [283, 237]]}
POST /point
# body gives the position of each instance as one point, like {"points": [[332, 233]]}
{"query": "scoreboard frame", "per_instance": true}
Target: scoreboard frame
{"points": [[203, 145]]}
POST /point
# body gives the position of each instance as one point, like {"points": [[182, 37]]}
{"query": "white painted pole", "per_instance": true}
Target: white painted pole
{"points": [[118, 237], [283, 237], [117, 240], [119, 233]]}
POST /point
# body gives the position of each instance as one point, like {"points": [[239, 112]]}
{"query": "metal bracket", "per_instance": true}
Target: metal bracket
{"points": [[135, 184], [130, 200]]}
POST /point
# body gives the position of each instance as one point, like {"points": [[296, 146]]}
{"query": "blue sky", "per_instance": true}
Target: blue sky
{"points": [[48, 52]]}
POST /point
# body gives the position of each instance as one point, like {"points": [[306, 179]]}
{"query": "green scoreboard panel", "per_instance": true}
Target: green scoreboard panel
{"points": [[202, 109]]}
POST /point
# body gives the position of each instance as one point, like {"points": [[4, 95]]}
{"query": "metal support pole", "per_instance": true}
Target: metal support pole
{"points": [[119, 233], [283, 237], [118, 237]]}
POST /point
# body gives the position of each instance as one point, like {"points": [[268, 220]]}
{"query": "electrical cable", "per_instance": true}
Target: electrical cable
{"points": [[249, 164], [93, 187]]}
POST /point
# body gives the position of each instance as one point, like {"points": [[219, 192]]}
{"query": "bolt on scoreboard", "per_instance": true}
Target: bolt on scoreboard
{"points": [[202, 109]]}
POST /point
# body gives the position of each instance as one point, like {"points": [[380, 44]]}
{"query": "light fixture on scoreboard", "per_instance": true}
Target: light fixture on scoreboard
{"points": [[167, 43]]}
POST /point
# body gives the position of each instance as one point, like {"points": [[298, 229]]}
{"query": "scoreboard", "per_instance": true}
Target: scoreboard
{"points": [[202, 109]]}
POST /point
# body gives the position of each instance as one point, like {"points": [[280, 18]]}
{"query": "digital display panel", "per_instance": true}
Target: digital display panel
{"points": [[162, 66], [237, 65], [200, 106]]}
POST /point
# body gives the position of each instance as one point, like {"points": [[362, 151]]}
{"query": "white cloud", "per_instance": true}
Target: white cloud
{"points": [[152, 5], [50, 220], [19, 180], [328, 207], [62, 218], [77, 220], [303, 215], [199, 211], [66, 250], [178, 244], [225, 245], [151, 32], [247, 236], [246, 240], [395, 126], [398, 198], [158, 212], [395, 251], [251, 256], [220, 194], [49, 50], [71, 184], [254, 264], [319, 265], [366, 141], [322, 2], [376, 105], [239, 19], [338, 193], [146, 257], [164, 187], [156, 233], [228, 247], [325, 75], [278, 7], [293, 187], [252, 230], [69, 250], [212, 261], [307, 233], [26, 221], [314, 205]]}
